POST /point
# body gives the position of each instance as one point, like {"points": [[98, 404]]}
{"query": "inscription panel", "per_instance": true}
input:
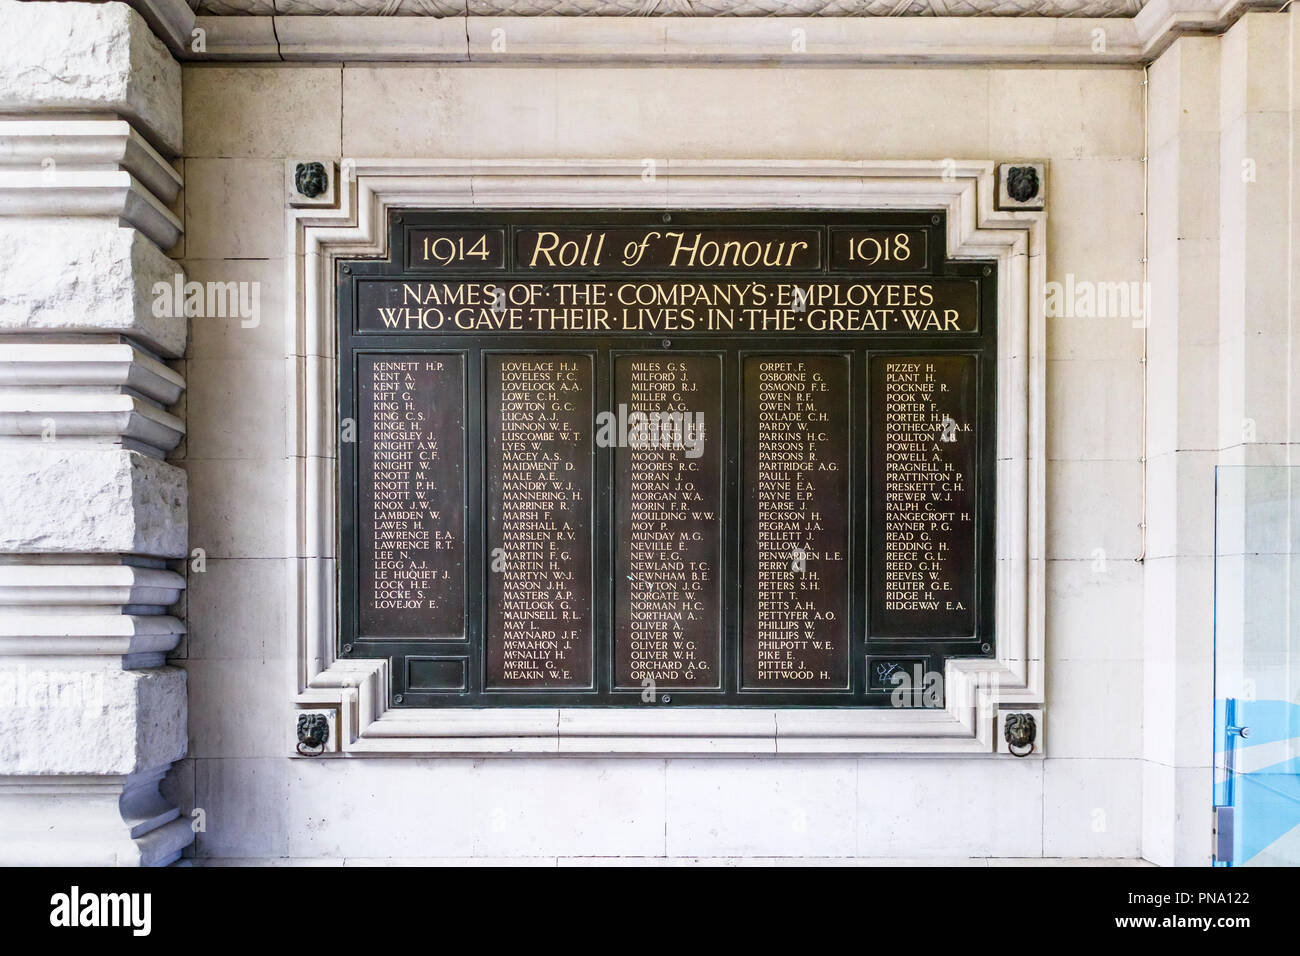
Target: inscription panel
{"points": [[412, 495], [923, 495], [796, 474], [668, 521], [539, 520], [638, 459]]}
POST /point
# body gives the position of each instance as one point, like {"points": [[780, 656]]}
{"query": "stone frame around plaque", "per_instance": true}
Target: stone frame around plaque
{"points": [[976, 689]]}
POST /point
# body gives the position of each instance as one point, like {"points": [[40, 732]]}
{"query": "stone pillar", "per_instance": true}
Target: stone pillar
{"points": [[1221, 179], [1181, 448], [91, 513]]}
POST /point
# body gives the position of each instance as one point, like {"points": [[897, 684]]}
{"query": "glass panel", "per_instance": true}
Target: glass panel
{"points": [[1256, 666]]}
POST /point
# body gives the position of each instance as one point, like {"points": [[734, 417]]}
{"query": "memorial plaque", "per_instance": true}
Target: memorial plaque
{"points": [[668, 521], [539, 507], [796, 531], [644, 458], [923, 495], [412, 495]]}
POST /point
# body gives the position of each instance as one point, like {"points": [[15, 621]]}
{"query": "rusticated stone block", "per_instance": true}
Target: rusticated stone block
{"points": [[93, 719], [86, 276], [108, 60], [78, 499]]}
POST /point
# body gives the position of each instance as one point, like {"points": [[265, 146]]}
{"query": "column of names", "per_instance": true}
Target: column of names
{"points": [[668, 504], [539, 509], [796, 528], [923, 495], [412, 496]]}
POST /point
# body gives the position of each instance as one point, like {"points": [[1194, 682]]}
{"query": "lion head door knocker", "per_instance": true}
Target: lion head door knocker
{"points": [[1020, 731], [313, 734], [310, 179], [1022, 183]]}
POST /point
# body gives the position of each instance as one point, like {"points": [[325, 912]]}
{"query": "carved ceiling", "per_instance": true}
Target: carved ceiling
{"points": [[697, 8]]}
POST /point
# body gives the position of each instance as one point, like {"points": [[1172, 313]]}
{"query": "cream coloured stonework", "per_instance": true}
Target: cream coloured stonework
{"points": [[853, 806]]}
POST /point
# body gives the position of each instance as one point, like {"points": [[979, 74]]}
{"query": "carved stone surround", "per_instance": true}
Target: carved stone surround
{"points": [[354, 693]]}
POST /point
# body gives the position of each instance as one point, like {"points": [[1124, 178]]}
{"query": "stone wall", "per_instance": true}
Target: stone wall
{"points": [[146, 533], [243, 122]]}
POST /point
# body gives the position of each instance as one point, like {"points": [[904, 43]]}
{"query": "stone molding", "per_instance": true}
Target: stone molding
{"points": [[84, 820], [965, 33], [76, 167], [89, 194], [358, 689], [37, 361], [88, 585], [172, 21], [94, 392], [47, 144]]}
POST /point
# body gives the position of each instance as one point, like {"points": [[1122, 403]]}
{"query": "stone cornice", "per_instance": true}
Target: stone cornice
{"points": [[814, 40], [673, 8]]}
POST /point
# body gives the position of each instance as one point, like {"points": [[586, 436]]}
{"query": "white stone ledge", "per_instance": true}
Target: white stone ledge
{"points": [[90, 58], [141, 640], [114, 195], [245, 39], [48, 144], [81, 275], [33, 363], [172, 21], [1161, 22], [90, 500], [89, 716], [56, 415], [60, 586]]}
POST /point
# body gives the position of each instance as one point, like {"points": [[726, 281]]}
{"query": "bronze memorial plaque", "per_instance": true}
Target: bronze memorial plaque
{"points": [[648, 458]]}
